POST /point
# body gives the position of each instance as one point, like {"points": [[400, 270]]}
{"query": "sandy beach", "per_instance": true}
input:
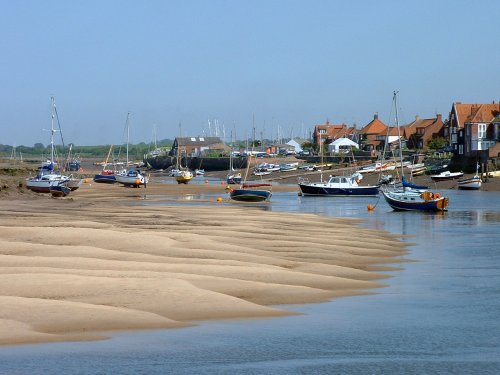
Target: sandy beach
{"points": [[102, 260]]}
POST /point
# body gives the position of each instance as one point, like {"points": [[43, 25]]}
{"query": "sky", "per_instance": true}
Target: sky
{"points": [[277, 66]]}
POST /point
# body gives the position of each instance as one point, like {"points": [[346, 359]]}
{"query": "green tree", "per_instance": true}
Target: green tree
{"points": [[436, 143]]}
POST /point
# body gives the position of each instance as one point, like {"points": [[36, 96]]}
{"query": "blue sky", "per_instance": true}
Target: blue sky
{"points": [[286, 64]]}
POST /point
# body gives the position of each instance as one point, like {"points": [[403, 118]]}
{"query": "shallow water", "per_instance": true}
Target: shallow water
{"points": [[440, 314]]}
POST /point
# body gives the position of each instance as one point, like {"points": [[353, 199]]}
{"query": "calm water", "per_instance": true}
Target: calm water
{"points": [[439, 315]]}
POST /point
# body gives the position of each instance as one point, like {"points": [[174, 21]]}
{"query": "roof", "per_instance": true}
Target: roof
{"points": [[374, 127], [476, 112], [198, 141], [344, 142]]}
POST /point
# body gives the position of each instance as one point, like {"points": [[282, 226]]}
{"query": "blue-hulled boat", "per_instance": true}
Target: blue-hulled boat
{"points": [[411, 198], [340, 186], [105, 177]]}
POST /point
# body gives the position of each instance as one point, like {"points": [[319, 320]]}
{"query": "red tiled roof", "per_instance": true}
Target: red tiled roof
{"points": [[476, 112], [374, 127]]}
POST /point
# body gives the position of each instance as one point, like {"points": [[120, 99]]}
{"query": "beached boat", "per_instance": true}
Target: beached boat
{"points": [[132, 177], [473, 183], [405, 198], [446, 175], [184, 177], [233, 179], [47, 175], [106, 176], [340, 186], [59, 191]]}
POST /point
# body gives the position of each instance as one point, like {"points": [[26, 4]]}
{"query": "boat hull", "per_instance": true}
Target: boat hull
{"points": [[105, 179], [248, 195], [399, 204], [360, 191], [470, 184], [59, 191]]}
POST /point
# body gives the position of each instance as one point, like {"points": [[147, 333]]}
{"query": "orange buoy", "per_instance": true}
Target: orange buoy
{"points": [[370, 207], [137, 182], [219, 199]]}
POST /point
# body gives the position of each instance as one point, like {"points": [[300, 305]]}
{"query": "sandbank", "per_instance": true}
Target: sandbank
{"points": [[106, 258]]}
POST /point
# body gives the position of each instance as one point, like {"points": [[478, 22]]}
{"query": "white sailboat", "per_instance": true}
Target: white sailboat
{"points": [[132, 177], [47, 176]]}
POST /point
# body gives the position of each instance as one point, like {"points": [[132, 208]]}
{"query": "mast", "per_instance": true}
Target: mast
{"points": [[52, 131], [128, 134], [399, 134]]}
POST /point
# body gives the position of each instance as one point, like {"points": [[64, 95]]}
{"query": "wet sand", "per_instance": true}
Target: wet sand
{"points": [[99, 260]]}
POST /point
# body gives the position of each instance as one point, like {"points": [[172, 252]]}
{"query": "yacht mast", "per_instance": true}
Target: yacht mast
{"points": [[399, 134]]}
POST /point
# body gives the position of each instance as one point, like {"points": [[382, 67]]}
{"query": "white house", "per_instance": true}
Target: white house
{"points": [[342, 145], [296, 144]]}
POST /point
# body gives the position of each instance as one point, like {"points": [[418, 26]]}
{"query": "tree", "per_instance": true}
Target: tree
{"points": [[436, 143]]}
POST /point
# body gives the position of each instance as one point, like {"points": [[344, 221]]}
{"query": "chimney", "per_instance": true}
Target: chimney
{"points": [[375, 116], [439, 117], [417, 117]]}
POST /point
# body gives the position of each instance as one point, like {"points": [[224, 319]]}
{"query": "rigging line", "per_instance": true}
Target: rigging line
{"points": [[59, 125]]}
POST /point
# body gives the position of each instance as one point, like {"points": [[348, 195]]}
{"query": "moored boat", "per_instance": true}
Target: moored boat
{"points": [[446, 175], [250, 193], [406, 198], [341, 186]]}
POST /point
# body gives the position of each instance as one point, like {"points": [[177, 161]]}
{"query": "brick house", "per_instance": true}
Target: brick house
{"points": [[473, 130], [373, 134], [419, 132]]}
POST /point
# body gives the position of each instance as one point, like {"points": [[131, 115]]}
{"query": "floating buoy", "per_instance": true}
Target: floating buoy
{"points": [[299, 194], [206, 181], [137, 182], [219, 199], [370, 207], [86, 181]]}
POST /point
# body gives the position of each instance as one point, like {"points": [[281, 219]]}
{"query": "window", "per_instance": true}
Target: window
{"points": [[322, 131], [481, 131]]}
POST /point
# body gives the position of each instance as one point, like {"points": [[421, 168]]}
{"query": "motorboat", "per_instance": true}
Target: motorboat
{"points": [[338, 186]]}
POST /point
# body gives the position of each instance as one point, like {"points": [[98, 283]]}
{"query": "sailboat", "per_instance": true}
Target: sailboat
{"points": [[132, 177], [250, 192], [232, 178], [47, 176], [107, 176], [405, 198], [182, 175]]}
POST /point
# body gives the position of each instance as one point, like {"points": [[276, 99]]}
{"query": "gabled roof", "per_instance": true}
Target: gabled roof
{"points": [[198, 141], [333, 131], [476, 112], [374, 127]]}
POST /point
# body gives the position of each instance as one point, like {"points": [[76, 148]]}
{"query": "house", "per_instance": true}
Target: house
{"points": [[371, 135], [296, 143], [198, 146], [473, 130], [327, 133], [419, 132]]}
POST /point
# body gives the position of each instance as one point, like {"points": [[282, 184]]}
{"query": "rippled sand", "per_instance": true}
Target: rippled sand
{"points": [[71, 269]]}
